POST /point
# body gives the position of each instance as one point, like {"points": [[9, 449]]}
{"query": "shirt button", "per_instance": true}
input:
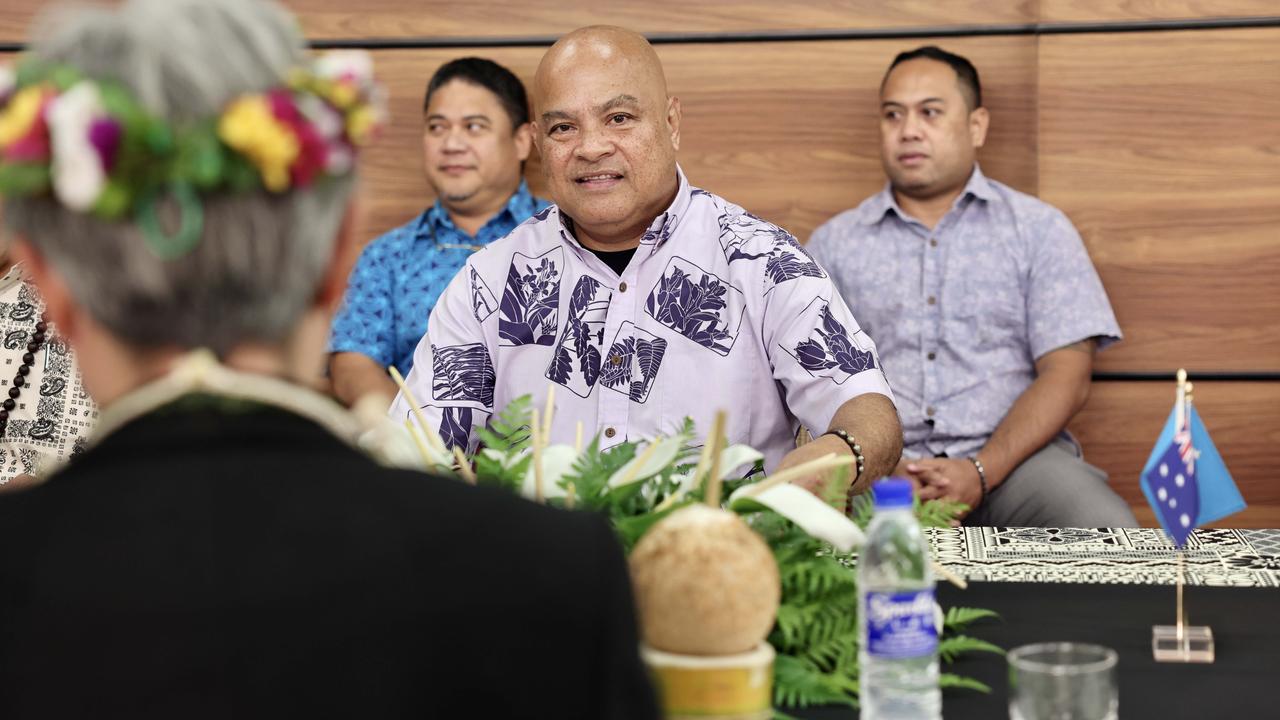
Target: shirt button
{"points": [[928, 411], [932, 356], [615, 360], [932, 300], [622, 287], [933, 242], [610, 432]]}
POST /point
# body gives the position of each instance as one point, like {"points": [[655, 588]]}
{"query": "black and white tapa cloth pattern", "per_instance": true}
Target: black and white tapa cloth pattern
{"points": [[53, 416], [1142, 556]]}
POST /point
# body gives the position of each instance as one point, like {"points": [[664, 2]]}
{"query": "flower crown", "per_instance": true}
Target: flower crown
{"points": [[99, 152]]}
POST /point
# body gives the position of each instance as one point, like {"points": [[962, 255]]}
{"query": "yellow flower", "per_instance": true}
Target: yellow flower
{"points": [[17, 119], [342, 95], [249, 127], [360, 123]]}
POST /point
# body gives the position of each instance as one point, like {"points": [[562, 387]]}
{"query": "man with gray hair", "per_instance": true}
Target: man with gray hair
{"points": [[177, 175]]}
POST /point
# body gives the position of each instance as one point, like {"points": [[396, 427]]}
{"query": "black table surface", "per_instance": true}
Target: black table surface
{"points": [[1241, 683]]}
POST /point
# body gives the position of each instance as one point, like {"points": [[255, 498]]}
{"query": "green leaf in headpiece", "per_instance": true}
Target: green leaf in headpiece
{"points": [[63, 77], [200, 158], [158, 137], [240, 175], [23, 178], [114, 201]]}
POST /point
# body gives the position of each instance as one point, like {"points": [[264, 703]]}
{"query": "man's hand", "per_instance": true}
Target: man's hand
{"points": [[950, 478], [819, 483]]}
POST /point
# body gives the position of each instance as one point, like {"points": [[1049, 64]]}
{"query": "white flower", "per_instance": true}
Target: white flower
{"points": [[78, 175], [8, 81], [340, 64], [329, 124]]}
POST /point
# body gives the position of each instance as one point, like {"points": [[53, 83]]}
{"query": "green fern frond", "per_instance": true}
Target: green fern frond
{"points": [[938, 513], [959, 618], [797, 683], [951, 648], [508, 431], [951, 680]]}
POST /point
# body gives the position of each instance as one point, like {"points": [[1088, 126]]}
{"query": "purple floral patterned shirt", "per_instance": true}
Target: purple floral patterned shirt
{"points": [[718, 309], [962, 313]]}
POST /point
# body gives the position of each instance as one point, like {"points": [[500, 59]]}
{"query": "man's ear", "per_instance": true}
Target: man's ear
{"points": [[53, 289], [673, 121], [524, 141], [341, 259], [979, 122]]}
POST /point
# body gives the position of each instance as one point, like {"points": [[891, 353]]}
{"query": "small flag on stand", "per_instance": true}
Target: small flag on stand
{"points": [[1185, 480]]}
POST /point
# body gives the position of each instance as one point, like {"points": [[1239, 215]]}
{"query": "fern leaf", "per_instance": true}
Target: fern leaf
{"points": [[951, 648], [951, 680], [958, 618]]}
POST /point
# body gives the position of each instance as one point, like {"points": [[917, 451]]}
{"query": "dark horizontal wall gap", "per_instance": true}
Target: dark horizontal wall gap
{"points": [[906, 33], [1170, 376]]}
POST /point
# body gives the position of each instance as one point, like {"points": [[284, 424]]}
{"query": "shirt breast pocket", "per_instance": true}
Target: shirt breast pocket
{"points": [[992, 304]]}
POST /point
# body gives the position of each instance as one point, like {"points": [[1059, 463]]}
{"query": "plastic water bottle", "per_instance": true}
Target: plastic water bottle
{"points": [[898, 658]]}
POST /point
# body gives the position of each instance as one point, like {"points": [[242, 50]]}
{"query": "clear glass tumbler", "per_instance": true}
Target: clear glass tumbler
{"points": [[1063, 681]]}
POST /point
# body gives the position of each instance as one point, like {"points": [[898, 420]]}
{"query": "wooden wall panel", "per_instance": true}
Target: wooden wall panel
{"points": [[1119, 425], [788, 130], [328, 19], [1164, 150], [1129, 10]]}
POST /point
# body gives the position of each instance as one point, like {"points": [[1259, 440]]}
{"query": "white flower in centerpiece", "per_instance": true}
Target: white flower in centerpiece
{"points": [[557, 461], [78, 174], [8, 81]]}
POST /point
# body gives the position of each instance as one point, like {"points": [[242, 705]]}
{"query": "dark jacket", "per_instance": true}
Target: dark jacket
{"points": [[204, 562]]}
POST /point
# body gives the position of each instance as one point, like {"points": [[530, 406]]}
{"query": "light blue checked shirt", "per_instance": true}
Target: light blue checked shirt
{"points": [[961, 314]]}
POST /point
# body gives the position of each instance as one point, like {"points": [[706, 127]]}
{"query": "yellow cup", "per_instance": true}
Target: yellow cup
{"points": [[720, 687]]}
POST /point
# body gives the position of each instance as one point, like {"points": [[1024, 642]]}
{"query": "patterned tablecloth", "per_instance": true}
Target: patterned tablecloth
{"points": [[1237, 558]]}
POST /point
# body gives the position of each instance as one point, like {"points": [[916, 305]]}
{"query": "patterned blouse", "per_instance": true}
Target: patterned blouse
{"points": [[52, 417], [717, 309]]}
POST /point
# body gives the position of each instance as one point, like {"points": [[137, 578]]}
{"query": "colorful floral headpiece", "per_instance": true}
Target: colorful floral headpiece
{"points": [[98, 151]]}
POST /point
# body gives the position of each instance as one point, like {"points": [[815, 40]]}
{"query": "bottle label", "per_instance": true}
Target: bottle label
{"points": [[900, 624]]}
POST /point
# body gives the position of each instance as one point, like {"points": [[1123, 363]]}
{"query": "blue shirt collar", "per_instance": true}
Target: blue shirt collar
{"points": [[882, 202], [519, 206]]}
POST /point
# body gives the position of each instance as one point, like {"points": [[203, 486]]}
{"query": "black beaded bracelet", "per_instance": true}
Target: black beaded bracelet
{"points": [[982, 476]]}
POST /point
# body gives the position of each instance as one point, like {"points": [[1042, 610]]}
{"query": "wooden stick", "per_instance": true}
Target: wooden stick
{"points": [[637, 463], [535, 442], [577, 438], [413, 405], [714, 483], [421, 444], [464, 466], [1181, 610], [550, 410], [826, 462], [950, 577], [569, 499]]}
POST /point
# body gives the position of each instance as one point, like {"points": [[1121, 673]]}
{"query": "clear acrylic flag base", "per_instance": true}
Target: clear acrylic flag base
{"points": [[1182, 644]]}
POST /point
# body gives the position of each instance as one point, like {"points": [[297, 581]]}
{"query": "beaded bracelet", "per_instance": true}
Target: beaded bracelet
{"points": [[860, 465], [982, 476]]}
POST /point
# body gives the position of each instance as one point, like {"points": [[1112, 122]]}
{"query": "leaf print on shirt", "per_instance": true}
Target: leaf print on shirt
{"points": [[639, 355], [455, 427], [576, 361], [462, 372], [744, 236], [829, 351], [482, 301], [697, 304], [659, 232], [528, 314]]}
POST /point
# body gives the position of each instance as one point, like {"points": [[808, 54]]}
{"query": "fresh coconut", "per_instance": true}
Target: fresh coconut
{"points": [[705, 583]]}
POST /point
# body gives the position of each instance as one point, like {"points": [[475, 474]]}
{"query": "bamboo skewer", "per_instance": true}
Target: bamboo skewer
{"points": [[712, 495], [550, 410], [577, 438], [950, 577], [826, 462], [637, 463], [417, 411], [535, 442], [464, 466]]}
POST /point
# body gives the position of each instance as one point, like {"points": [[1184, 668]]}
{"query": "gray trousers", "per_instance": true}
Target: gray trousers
{"points": [[1055, 487]]}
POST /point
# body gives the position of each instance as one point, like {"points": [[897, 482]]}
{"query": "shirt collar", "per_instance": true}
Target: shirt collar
{"points": [[882, 202], [662, 227], [519, 206]]}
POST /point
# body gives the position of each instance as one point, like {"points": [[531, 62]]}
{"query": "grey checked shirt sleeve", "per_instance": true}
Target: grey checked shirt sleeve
{"points": [[1066, 302]]}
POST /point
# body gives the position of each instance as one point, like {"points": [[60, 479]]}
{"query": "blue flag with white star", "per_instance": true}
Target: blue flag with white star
{"points": [[1185, 479]]}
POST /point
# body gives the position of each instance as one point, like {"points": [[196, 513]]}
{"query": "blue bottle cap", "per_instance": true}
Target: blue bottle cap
{"points": [[894, 492]]}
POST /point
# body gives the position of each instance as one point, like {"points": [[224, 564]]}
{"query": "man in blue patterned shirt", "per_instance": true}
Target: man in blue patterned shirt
{"points": [[475, 141], [985, 307]]}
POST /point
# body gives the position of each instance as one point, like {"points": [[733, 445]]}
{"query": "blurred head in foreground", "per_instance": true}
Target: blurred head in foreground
{"points": [[178, 174]]}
